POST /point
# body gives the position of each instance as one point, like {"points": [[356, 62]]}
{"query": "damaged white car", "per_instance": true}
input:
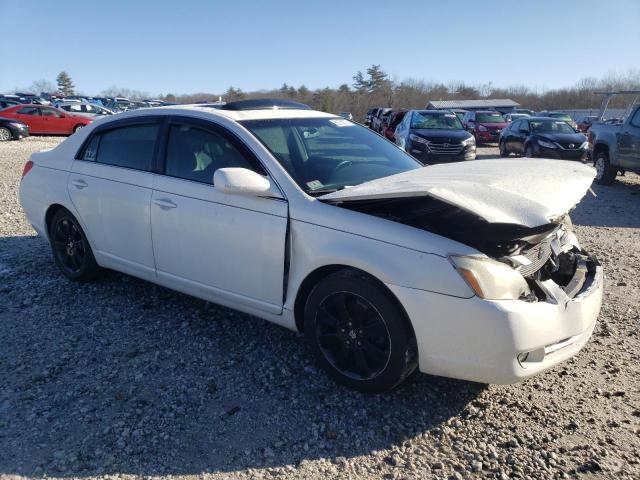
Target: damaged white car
{"points": [[469, 270]]}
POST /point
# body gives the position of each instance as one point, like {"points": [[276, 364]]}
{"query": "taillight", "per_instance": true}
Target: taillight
{"points": [[27, 167]]}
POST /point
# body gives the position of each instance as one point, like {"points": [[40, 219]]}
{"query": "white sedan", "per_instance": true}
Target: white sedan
{"points": [[468, 270]]}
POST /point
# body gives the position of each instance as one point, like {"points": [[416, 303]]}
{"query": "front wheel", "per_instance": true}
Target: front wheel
{"points": [[605, 173], [5, 134], [71, 250], [503, 150], [77, 127], [358, 333]]}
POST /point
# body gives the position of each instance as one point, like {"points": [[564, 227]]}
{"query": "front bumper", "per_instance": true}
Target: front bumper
{"points": [[486, 341], [563, 154], [486, 137], [19, 132], [423, 155]]}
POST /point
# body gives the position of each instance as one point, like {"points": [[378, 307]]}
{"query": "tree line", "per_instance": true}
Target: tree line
{"points": [[373, 87]]}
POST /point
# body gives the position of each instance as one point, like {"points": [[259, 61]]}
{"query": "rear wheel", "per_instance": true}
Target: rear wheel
{"points": [[358, 333], [77, 127], [503, 150], [605, 173], [5, 134], [71, 250]]}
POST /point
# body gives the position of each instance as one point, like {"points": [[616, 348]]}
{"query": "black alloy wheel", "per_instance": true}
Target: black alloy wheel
{"points": [[71, 250], [359, 333], [352, 336]]}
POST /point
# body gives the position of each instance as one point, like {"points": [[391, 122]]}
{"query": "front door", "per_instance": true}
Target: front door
{"points": [[229, 249]]}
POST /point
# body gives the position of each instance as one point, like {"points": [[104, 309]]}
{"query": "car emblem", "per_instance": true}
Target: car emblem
{"points": [[571, 145], [445, 145]]}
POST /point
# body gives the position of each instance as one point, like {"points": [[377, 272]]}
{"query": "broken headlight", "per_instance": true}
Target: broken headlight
{"points": [[490, 279]]}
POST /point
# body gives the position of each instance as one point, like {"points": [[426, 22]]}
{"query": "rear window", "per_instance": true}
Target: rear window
{"points": [[490, 118], [128, 147]]}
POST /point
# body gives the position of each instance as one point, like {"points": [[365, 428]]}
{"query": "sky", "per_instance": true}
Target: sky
{"points": [[189, 46]]}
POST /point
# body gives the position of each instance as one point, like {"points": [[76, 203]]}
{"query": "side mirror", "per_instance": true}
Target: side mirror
{"points": [[242, 181]]}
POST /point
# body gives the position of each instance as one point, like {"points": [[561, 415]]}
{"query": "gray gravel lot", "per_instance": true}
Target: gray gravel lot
{"points": [[122, 378]]}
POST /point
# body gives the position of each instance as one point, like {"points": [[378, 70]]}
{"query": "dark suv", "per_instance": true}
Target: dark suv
{"points": [[435, 136]]}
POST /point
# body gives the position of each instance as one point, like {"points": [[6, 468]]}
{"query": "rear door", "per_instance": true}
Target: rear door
{"points": [[32, 117], [628, 139], [110, 186], [229, 249]]}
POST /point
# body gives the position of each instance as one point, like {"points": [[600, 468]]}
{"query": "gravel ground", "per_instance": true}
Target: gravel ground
{"points": [[121, 378]]}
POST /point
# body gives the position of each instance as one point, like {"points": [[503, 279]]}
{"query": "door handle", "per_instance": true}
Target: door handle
{"points": [[79, 184], [165, 203]]}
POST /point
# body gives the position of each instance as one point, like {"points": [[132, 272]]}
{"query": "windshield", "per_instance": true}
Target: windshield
{"points": [[489, 118], [561, 116], [550, 126], [323, 155], [447, 121]]}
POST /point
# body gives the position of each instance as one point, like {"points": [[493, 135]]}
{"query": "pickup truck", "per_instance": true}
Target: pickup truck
{"points": [[615, 147]]}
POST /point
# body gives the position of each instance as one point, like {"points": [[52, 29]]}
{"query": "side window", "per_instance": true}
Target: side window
{"points": [[129, 147], [49, 112], [515, 126], [635, 120], [29, 111], [195, 154], [74, 108], [91, 150]]}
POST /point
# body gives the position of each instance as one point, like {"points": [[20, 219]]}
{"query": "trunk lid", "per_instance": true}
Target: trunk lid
{"points": [[524, 192]]}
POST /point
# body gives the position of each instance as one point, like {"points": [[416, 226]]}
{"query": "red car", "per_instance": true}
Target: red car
{"points": [[389, 126], [485, 125], [43, 119]]}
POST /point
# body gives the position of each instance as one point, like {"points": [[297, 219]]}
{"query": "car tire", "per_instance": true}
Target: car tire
{"points": [[71, 250], [5, 134], [605, 173], [503, 150], [358, 332], [528, 151], [78, 127]]}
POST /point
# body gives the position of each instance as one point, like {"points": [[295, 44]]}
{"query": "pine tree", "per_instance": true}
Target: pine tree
{"points": [[65, 85]]}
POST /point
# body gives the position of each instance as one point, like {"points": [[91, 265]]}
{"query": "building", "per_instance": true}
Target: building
{"points": [[503, 105]]}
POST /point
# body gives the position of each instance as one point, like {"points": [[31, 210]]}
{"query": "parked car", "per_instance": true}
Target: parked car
{"points": [[84, 109], [461, 270], [585, 122], [484, 125], [615, 147], [346, 115], [44, 119], [543, 137], [435, 136], [376, 120], [12, 129], [389, 129], [510, 117], [369, 115], [6, 103], [560, 116]]}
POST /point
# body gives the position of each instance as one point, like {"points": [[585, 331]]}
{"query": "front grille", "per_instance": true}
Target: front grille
{"points": [[538, 255], [567, 145], [444, 148]]}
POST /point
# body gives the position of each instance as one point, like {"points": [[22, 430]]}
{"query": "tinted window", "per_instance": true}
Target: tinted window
{"points": [[91, 150], [49, 112], [635, 121], [195, 154], [130, 147], [29, 111]]}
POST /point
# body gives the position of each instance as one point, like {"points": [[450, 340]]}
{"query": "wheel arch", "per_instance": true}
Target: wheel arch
{"points": [[601, 147], [320, 273]]}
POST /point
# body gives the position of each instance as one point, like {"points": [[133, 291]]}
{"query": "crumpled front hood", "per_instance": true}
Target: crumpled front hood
{"points": [[520, 191]]}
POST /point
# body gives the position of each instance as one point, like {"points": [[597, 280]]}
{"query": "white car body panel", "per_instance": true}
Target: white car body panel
{"points": [[458, 334], [495, 190]]}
